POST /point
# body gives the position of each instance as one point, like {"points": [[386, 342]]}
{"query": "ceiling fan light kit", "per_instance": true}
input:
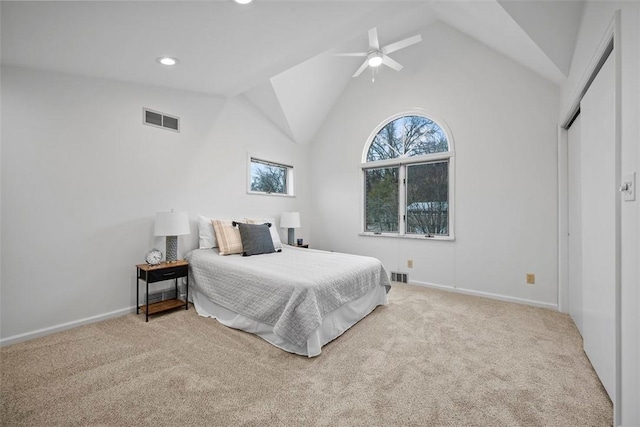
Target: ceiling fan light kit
{"points": [[377, 56], [375, 59]]}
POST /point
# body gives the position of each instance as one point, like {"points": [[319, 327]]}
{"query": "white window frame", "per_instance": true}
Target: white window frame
{"points": [[402, 163], [261, 159]]}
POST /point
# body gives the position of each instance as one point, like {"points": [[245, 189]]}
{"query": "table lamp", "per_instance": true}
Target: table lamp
{"points": [[171, 224], [290, 220]]}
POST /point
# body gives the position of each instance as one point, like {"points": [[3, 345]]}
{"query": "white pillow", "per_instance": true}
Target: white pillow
{"points": [[206, 233], [277, 244]]}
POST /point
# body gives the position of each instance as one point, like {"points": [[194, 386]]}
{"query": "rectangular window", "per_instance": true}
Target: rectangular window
{"points": [[427, 198], [381, 200], [270, 178]]}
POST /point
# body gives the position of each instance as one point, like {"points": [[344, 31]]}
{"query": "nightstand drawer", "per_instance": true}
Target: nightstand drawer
{"points": [[166, 273]]}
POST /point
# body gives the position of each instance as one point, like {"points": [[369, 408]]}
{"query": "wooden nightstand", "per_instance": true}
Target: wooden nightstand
{"points": [[159, 273]]}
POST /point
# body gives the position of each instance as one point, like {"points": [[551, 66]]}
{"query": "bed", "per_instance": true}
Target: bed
{"points": [[296, 299]]}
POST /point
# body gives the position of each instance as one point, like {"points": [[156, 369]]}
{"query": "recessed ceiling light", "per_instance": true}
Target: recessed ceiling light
{"points": [[166, 60], [243, 1]]}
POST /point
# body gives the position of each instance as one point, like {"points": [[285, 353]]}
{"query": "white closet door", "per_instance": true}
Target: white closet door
{"points": [[575, 224], [597, 161]]}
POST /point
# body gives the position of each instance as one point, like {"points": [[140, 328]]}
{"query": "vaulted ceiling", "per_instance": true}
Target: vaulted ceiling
{"points": [[276, 53]]}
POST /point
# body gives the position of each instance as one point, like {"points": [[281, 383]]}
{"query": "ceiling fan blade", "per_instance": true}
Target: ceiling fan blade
{"points": [[374, 44], [351, 54], [386, 60], [362, 68], [402, 44]]}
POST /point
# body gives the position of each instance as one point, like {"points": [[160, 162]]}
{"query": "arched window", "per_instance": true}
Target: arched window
{"points": [[408, 179]]}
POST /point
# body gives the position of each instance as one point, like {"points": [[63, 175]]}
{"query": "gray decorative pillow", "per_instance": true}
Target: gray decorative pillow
{"points": [[256, 239]]}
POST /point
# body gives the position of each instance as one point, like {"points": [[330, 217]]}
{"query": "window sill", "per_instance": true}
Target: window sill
{"points": [[410, 236], [260, 193]]}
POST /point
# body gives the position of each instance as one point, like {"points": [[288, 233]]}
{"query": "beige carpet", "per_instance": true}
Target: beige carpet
{"points": [[429, 358]]}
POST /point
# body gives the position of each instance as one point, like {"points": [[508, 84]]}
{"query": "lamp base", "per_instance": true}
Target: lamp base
{"points": [[292, 236], [172, 249]]}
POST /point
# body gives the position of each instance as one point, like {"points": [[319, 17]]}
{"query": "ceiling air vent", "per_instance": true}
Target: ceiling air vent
{"points": [[161, 120]]}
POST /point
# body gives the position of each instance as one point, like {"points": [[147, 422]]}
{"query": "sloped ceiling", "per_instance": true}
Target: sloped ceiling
{"points": [[298, 99], [552, 25], [277, 54]]}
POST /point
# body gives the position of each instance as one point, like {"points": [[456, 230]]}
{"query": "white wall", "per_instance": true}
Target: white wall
{"points": [[82, 178], [597, 17], [504, 123]]}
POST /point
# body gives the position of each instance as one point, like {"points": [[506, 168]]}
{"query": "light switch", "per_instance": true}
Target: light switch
{"points": [[628, 187]]}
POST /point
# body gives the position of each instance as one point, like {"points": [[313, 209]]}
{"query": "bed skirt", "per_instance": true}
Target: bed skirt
{"points": [[333, 325]]}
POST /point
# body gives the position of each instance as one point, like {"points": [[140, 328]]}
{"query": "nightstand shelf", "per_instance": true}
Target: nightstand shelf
{"points": [[159, 307], [159, 273]]}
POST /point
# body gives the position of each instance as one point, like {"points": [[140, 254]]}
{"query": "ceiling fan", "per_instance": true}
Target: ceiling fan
{"points": [[377, 55]]}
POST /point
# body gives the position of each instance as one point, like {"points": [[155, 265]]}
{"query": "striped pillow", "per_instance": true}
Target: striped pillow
{"points": [[228, 237]]}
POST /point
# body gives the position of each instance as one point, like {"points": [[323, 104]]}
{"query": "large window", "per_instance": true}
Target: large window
{"points": [[408, 177], [270, 178]]}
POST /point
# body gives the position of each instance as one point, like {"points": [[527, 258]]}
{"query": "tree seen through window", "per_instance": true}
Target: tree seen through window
{"points": [[270, 178], [422, 151]]}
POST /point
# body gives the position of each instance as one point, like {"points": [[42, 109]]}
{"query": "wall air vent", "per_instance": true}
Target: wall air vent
{"points": [[399, 277], [161, 120]]}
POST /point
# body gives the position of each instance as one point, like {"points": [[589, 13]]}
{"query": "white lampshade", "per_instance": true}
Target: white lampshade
{"points": [[171, 224], [290, 220]]}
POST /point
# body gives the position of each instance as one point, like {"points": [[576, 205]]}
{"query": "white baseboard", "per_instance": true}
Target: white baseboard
{"points": [[486, 295], [52, 329], [64, 326]]}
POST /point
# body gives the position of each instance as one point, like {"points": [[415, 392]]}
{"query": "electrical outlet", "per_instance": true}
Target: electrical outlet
{"points": [[410, 263], [531, 278]]}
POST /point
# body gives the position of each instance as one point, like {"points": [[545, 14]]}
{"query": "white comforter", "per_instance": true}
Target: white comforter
{"points": [[292, 290]]}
